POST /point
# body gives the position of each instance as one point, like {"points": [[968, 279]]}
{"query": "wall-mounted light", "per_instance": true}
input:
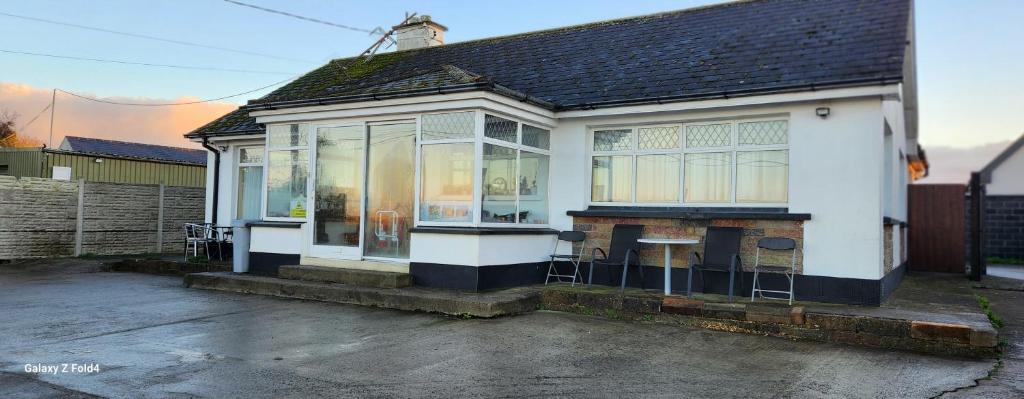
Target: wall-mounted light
{"points": [[223, 148], [99, 160], [823, 112]]}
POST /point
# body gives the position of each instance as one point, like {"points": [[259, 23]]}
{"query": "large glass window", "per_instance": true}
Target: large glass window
{"points": [[716, 162], [514, 173], [250, 182], [446, 167], [287, 170]]}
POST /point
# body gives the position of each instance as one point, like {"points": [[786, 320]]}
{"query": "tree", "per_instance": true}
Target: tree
{"points": [[9, 136]]}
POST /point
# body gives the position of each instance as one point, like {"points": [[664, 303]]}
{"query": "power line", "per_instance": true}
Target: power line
{"points": [[35, 117], [175, 104], [68, 57], [308, 19], [141, 36]]}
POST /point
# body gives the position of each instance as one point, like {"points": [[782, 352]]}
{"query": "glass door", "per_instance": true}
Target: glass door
{"points": [[337, 191], [390, 175]]}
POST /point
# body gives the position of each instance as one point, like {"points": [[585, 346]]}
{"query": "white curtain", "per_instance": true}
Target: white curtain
{"points": [[762, 176], [249, 184], [657, 178], [707, 177]]}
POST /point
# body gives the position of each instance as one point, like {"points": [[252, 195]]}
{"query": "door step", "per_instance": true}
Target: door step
{"points": [[357, 277]]}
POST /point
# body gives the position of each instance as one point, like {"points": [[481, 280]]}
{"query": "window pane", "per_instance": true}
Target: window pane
{"points": [[763, 133], [707, 177], [286, 183], [446, 192], [250, 182], [499, 185], [533, 188], [338, 185], [455, 125], [657, 178], [500, 128], [613, 140], [293, 135], [611, 179], [658, 137], [250, 155], [704, 136], [536, 137], [762, 176]]}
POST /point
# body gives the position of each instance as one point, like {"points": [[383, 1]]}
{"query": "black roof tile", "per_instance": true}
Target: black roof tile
{"points": [[87, 145], [741, 47]]}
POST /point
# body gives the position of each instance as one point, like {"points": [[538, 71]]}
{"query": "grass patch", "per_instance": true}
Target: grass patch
{"points": [[986, 307], [1004, 261]]}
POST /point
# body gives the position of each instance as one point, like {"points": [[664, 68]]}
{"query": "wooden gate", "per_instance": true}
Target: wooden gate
{"points": [[937, 230]]}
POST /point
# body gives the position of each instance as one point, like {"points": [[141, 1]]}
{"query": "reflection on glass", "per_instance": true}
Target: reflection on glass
{"points": [[707, 177], [499, 185], [533, 188], [293, 135], [762, 176], [287, 172], [446, 192], [611, 178], [657, 178], [390, 174], [339, 171]]}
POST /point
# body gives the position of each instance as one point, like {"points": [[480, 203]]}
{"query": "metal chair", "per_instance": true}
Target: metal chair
{"points": [[774, 244], [624, 246], [570, 237], [196, 234], [721, 254]]}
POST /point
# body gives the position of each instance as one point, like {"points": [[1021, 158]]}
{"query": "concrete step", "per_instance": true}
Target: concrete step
{"points": [[488, 304], [363, 278]]}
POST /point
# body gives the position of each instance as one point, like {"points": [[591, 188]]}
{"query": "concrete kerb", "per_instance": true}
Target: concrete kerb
{"points": [[937, 334]]}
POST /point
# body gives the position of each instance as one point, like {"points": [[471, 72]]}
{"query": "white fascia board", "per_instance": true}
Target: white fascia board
{"points": [[410, 105], [888, 91]]}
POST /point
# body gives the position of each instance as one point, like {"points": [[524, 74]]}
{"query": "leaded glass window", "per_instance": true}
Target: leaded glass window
{"points": [[613, 140], [500, 128], [707, 136], [453, 125], [658, 138], [763, 133]]}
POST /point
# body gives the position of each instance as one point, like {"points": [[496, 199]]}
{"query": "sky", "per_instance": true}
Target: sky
{"points": [[969, 60]]}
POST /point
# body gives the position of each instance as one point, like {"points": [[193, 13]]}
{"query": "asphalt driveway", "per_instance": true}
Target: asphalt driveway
{"points": [[152, 338]]}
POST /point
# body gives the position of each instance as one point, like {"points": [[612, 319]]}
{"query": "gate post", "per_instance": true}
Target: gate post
{"points": [[977, 214]]}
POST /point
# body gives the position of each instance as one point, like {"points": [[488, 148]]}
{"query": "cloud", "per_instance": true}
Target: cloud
{"points": [[954, 164], [78, 117]]}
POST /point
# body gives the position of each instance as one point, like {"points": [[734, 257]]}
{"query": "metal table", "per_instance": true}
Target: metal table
{"points": [[668, 243]]}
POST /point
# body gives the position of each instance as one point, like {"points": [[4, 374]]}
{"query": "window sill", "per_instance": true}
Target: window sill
{"points": [[280, 225], [692, 213], [483, 231]]}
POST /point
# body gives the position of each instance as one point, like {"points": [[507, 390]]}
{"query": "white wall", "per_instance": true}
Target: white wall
{"points": [[480, 250], [1008, 178], [276, 240], [836, 174]]}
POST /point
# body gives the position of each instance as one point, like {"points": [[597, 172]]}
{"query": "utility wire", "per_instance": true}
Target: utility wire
{"points": [[68, 57], [175, 104], [141, 36], [308, 19], [34, 118]]}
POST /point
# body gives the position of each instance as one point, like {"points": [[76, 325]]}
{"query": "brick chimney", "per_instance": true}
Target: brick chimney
{"points": [[419, 32]]}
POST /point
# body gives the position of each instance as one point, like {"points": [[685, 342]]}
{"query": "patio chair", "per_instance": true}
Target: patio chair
{"points": [[774, 244], [570, 237], [196, 235], [721, 254], [624, 248]]}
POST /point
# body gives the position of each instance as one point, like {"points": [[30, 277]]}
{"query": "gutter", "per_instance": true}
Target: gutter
{"points": [[216, 178]]}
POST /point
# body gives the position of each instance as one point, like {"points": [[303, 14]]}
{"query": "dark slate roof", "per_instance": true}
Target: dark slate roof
{"points": [[113, 148], [739, 48], [986, 173]]}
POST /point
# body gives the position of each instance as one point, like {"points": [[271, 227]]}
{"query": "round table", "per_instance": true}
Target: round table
{"points": [[668, 243]]}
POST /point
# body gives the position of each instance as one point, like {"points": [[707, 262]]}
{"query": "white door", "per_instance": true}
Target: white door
{"points": [[337, 192]]}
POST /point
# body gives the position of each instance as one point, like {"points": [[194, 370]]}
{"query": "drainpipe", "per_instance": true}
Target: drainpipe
{"points": [[216, 178]]}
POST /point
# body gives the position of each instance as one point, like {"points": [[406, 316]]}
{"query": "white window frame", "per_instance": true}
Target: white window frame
{"points": [[310, 141], [519, 147], [420, 142], [733, 148], [237, 153]]}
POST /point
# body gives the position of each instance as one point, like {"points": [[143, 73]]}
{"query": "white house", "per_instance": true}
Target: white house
{"points": [[457, 162]]}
